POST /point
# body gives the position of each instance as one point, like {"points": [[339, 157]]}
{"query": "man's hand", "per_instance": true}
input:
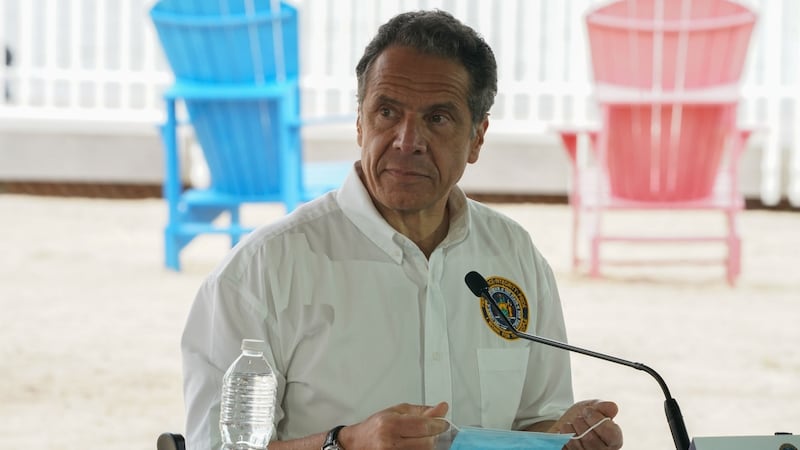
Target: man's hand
{"points": [[405, 426], [581, 416]]}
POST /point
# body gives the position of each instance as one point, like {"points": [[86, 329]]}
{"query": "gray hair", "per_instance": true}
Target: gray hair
{"points": [[438, 33]]}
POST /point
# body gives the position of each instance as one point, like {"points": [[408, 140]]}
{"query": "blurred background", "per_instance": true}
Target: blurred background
{"points": [[84, 82], [91, 319]]}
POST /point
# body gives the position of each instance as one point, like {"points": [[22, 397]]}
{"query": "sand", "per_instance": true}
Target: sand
{"points": [[89, 343]]}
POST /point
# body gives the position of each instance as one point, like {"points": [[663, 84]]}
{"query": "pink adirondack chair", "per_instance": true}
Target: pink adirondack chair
{"points": [[666, 76]]}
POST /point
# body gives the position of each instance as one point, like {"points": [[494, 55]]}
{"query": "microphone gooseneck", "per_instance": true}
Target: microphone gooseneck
{"points": [[480, 287]]}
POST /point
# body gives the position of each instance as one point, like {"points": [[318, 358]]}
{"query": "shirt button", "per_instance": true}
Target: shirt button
{"points": [[437, 356]]}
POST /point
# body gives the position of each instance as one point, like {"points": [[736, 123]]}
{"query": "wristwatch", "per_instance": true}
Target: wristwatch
{"points": [[332, 441]]}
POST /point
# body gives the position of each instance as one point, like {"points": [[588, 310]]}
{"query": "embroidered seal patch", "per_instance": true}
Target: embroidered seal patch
{"points": [[512, 302]]}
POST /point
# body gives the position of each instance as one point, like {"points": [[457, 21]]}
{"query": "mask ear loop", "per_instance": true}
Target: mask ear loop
{"points": [[591, 428], [452, 424], [581, 436]]}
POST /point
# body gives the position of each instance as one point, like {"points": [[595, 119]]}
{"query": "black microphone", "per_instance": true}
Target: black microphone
{"points": [[480, 287]]}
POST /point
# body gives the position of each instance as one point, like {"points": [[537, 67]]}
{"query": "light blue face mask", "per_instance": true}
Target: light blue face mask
{"points": [[470, 438], [473, 438]]}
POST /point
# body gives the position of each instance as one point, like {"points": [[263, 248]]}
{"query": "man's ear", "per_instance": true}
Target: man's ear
{"points": [[477, 140]]}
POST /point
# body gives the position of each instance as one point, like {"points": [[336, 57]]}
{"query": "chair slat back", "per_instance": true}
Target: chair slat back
{"points": [[664, 136]]}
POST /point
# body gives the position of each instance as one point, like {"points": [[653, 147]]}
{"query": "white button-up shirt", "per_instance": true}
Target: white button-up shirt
{"points": [[357, 319]]}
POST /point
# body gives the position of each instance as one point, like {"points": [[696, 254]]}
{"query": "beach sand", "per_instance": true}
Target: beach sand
{"points": [[91, 322]]}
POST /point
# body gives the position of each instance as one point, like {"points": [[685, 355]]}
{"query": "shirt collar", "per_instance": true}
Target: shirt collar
{"points": [[356, 203]]}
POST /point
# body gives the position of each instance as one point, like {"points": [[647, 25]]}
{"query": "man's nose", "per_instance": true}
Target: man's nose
{"points": [[410, 136]]}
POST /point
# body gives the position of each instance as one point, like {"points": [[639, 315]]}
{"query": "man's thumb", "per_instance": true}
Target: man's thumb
{"points": [[437, 411]]}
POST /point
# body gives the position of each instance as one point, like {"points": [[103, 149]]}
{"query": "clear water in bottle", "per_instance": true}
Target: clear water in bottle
{"points": [[248, 400]]}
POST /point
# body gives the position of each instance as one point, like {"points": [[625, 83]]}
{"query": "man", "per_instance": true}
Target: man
{"points": [[360, 293]]}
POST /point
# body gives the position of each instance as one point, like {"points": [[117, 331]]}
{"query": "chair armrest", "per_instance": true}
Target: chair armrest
{"points": [[170, 441]]}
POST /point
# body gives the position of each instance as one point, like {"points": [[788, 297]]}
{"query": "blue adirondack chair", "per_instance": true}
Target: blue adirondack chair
{"points": [[236, 72]]}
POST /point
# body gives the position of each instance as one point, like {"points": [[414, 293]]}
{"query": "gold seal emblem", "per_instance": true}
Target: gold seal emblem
{"points": [[513, 304]]}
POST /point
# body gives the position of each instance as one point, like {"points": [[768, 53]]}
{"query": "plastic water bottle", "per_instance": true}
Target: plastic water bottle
{"points": [[248, 400]]}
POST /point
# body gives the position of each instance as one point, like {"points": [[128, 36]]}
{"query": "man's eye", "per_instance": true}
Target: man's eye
{"points": [[385, 112], [438, 118]]}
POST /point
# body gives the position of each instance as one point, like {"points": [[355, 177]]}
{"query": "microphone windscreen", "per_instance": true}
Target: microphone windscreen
{"points": [[476, 283]]}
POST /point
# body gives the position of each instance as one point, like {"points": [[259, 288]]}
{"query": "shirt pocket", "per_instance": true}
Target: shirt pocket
{"points": [[502, 377]]}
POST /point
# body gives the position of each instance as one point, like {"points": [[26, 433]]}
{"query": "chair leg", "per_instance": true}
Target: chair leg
{"points": [[734, 263], [734, 260], [171, 250], [172, 187], [575, 232], [594, 257], [594, 241], [235, 225]]}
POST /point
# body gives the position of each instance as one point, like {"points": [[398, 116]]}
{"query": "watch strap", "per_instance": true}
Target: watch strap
{"points": [[331, 440]]}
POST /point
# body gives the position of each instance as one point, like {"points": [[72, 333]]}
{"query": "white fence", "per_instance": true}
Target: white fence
{"points": [[96, 64]]}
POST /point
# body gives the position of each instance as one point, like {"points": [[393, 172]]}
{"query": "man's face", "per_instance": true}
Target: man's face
{"points": [[415, 130]]}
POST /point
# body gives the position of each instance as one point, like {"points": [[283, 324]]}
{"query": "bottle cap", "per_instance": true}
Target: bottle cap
{"points": [[254, 345]]}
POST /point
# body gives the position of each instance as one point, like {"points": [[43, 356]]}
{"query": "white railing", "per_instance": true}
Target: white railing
{"points": [[97, 64]]}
